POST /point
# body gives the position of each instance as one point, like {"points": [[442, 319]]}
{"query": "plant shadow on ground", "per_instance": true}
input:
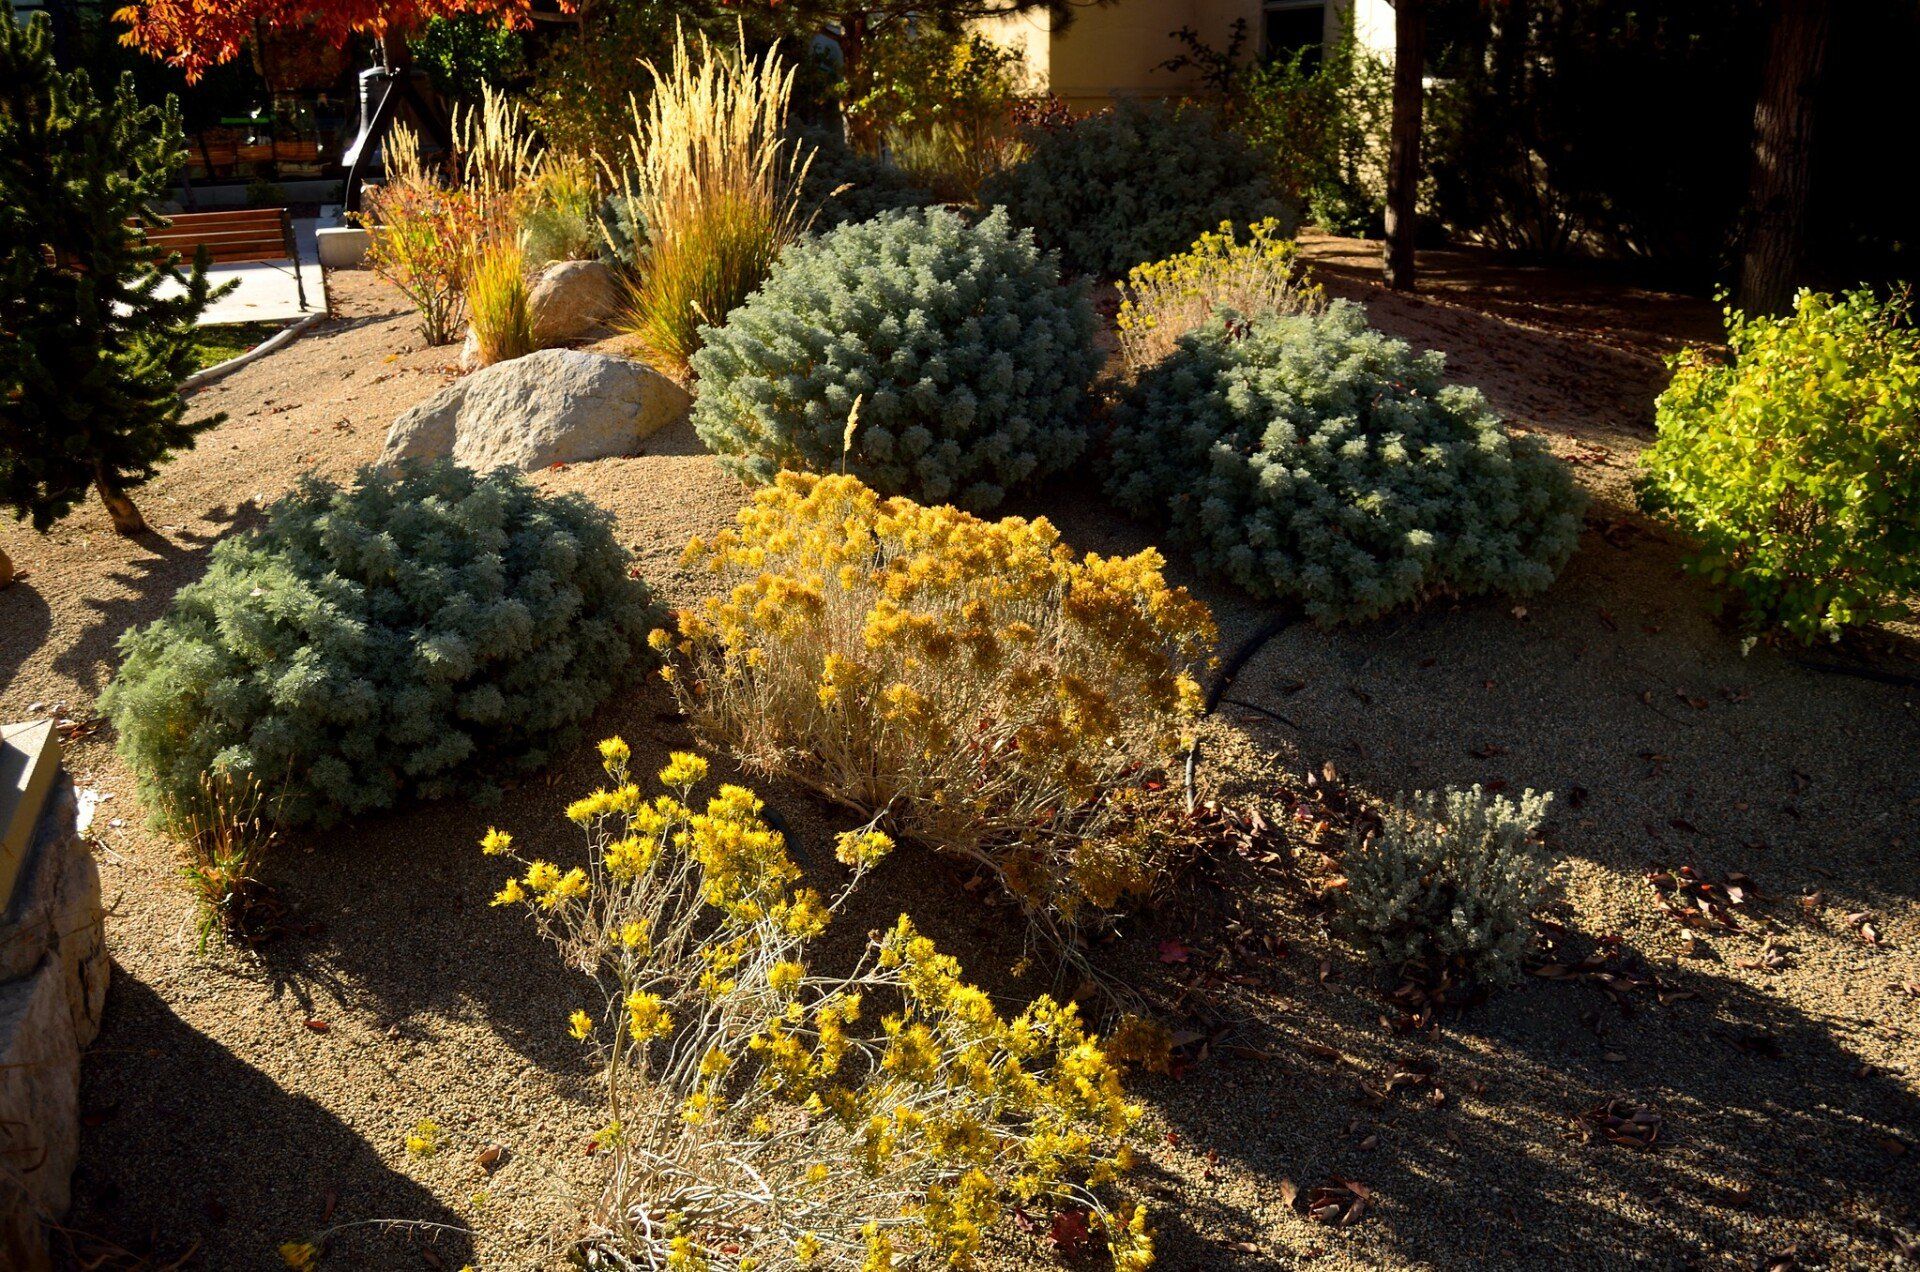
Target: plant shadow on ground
{"points": [[250, 1164], [142, 592], [397, 954], [22, 610], [1766, 1148]]}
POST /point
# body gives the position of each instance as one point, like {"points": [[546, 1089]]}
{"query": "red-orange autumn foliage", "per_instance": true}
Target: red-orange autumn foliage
{"points": [[197, 34]]}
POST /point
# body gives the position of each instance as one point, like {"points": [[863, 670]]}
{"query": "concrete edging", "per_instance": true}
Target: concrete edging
{"points": [[279, 340]]}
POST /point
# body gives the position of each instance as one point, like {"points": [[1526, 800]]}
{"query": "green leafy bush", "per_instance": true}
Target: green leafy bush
{"points": [[1322, 125], [411, 635], [1314, 459], [463, 53], [969, 362], [1454, 875], [1797, 465], [1135, 183]]}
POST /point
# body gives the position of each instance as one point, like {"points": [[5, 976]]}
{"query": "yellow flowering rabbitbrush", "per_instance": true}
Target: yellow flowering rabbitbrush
{"points": [[763, 1115], [971, 684], [1160, 301]]}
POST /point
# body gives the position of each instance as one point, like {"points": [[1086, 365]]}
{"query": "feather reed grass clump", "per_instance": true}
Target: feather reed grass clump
{"points": [[715, 177], [456, 241], [497, 306], [765, 1114], [500, 158], [227, 835]]}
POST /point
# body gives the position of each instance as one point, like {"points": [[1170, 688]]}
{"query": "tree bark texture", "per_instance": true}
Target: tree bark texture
{"points": [[1782, 173], [1403, 161]]}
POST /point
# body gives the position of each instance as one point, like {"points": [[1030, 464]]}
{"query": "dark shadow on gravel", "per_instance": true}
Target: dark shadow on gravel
{"points": [[175, 561], [185, 1147], [405, 930], [1769, 1125], [26, 618]]}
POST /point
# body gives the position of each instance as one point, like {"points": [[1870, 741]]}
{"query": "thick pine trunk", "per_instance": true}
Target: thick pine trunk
{"points": [[1782, 155], [1403, 161], [126, 517]]}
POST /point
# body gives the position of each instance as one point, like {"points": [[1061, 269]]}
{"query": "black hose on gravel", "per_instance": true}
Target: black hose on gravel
{"points": [[1276, 623]]}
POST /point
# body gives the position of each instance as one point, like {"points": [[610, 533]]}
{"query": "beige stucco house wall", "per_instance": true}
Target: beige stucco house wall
{"points": [[1116, 49]]}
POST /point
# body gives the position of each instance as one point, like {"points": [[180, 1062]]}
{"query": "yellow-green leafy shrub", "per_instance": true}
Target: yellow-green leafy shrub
{"points": [[1164, 300], [969, 682], [1133, 184], [1796, 465], [1311, 458], [767, 1115], [968, 363], [1454, 875], [417, 636]]}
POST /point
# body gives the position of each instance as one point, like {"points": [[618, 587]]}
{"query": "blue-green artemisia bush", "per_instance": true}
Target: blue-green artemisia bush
{"points": [[970, 362], [410, 636], [1310, 458], [1133, 184]]}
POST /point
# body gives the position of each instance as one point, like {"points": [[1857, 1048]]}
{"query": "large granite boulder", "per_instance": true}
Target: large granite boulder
{"points": [[53, 986], [554, 406]]}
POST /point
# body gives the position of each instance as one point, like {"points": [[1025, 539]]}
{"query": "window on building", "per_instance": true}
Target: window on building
{"points": [[1288, 26]]}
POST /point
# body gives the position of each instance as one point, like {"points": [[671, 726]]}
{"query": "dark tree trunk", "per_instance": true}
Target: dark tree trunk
{"points": [[126, 517], [394, 53], [853, 48], [1783, 154], [1403, 162]]}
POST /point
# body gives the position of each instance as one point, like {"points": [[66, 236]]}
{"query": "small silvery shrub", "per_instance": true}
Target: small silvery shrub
{"points": [[1136, 183], [1454, 875], [844, 185], [405, 636], [968, 361], [1310, 458], [620, 231], [1796, 465]]}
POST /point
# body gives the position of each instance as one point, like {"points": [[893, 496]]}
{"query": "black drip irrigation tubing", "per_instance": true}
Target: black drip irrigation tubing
{"points": [[1276, 623]]}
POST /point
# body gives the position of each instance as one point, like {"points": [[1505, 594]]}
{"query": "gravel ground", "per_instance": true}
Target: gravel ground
{"points": [[235, 1101]]}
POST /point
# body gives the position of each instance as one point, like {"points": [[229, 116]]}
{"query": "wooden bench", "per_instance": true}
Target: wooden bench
{"points": [[250, 236]]}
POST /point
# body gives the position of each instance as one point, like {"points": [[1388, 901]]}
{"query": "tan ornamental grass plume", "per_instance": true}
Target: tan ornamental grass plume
{"points": [[716, 182]]}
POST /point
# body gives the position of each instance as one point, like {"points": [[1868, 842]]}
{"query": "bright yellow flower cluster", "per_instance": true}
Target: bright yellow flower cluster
{"points": [[1163, 300], [424, 1139], [974, 681], [735, 1072]]}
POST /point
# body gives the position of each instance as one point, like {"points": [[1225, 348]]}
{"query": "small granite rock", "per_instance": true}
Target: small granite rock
{"points": [[571, 298]]}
